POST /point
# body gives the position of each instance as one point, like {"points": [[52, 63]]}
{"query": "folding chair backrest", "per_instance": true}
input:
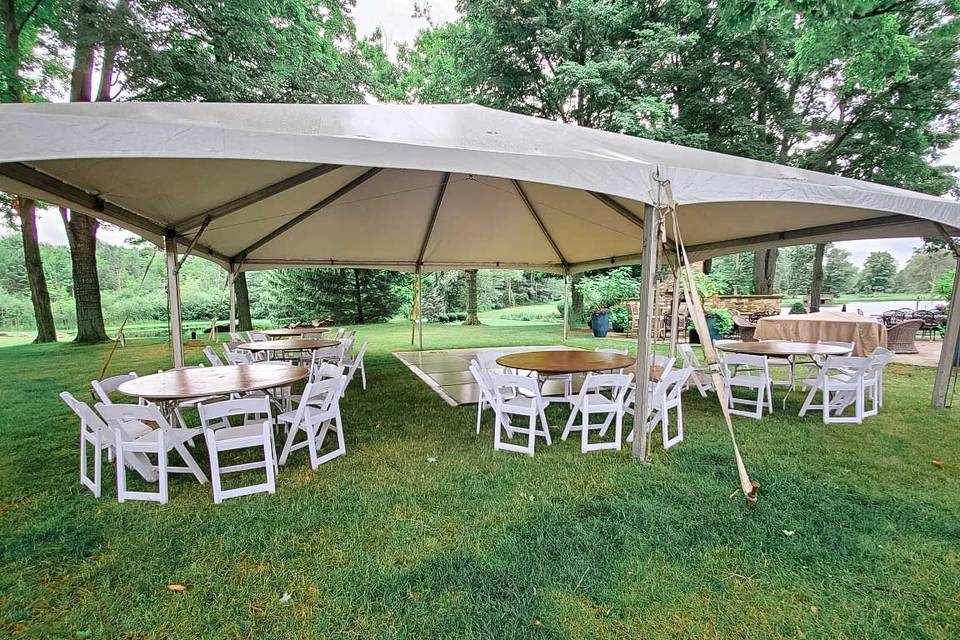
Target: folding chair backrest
{"points": [[750, 361], [482, 378], [103, 388], [665, 363], [256, 336], [689, 356], [320, 394], [212, 356], [322, 370], [88, 417], [346, 344], [674, 382], [501, 381], [236, 336], [488, 359], [142, 414], [357, 360], [251, 408], [617, 384], [238, 357], [852, 366]]}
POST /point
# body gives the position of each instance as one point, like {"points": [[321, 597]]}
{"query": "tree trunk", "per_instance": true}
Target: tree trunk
{"points": [[816, 286], [707, 266], [244, 322], [764, 270], [576, 301], [471, 275], [358, 295], [82, 234], [11, 33], [46, 330]]}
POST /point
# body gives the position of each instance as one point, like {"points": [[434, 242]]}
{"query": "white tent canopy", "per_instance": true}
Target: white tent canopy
{"points": [[421, 188], [438, 187]]}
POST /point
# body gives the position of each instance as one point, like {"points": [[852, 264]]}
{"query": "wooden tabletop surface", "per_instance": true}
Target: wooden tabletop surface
{"points": [[567, 361], [180, 384], [285, 332], [783, 348], [295, 344]]}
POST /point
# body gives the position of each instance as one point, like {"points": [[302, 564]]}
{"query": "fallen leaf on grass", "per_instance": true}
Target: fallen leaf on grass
{"points": [[937, 463], [431, 460], [177, 587], [787, 532], [285, 597]]}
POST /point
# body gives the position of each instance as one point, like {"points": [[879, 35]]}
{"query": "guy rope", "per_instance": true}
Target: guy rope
{"points": [[667, 207]]}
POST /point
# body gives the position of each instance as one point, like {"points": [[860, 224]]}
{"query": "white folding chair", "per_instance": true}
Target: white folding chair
{"points": [[701, 373], [129, 419], [355, 363], [236, 336], [95, 433], [240, 356], [103, 388], [602, 394], [256, 432], [873, 378], [841, 384], [212, 356], [316, 415], [668, 394], [747, 372], [257, 336], [516, 395]]}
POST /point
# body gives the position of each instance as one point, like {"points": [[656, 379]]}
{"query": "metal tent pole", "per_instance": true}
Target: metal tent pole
{"points": [[419, 309], [949, 347], [651, 232], [173, 299], [566, 304]]}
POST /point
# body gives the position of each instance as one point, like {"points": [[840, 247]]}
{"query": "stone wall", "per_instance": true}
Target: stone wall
{"points": [[751, 304]]}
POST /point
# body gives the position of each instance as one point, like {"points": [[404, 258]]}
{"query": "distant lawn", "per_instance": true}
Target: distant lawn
{"points": [[526, 315], [857, 534], [855, 297]]}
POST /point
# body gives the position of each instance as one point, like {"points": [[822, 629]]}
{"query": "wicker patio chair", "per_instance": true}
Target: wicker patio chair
{"points": [[900, 337], [745, 328]]}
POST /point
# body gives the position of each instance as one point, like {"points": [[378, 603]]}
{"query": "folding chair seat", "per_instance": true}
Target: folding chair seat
{"points": [[129, 419], [256, 432], [605, 395]]}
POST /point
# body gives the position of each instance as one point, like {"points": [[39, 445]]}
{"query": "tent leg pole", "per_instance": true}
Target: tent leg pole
{"points": [[566, 305], [949, 347], [651, 232], [420, 309], [232, 286], [675, 313], [173, 300]]}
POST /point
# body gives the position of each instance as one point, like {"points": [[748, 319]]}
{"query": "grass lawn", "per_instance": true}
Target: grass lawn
{"points": [[856, 535], [525, 316]]}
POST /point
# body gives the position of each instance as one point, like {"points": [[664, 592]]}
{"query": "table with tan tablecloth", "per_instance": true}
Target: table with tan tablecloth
{"points": [[864, 332]]}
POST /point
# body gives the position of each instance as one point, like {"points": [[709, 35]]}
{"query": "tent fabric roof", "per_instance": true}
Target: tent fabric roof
{"points": [[445, 186]]}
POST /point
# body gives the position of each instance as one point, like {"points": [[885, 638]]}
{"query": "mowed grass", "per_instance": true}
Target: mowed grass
{"points": [[856, 535]]}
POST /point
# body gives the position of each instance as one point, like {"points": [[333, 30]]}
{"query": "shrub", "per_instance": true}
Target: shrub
{"points": [[619, 318], [797, 307]]}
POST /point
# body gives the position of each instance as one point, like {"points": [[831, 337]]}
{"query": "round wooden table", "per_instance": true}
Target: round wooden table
{"points": [[551, 363], [286, 332], [296, 344], [170, 387], [782, 348]]}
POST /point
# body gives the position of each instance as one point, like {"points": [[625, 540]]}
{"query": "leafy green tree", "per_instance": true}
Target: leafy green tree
{"points": [[346, 295], [839, 273], [737, 271], [923, 269], [795, 272], [878, 273], [943, 286]]}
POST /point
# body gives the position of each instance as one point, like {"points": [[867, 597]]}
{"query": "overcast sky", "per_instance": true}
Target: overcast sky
{"points": [[395, 19]]}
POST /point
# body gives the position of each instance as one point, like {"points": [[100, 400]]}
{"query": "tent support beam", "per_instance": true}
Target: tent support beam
{"points": [[434, 213], [648, 281], [948, 347], [249, 199], [232, 287], [619, 208], [539, 221], [193, 243], [675, 312], [173, 299], [84, 202], [566, 305], [333, 197]]}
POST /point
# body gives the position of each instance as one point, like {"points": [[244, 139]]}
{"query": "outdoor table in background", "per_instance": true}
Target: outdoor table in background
{"points": [[298, 344], [286, 332], [552, 363], [865, 333]]}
